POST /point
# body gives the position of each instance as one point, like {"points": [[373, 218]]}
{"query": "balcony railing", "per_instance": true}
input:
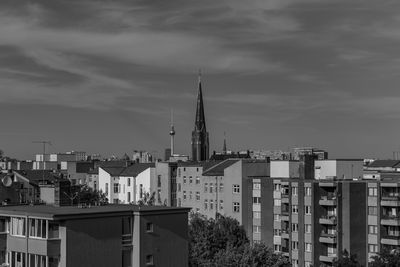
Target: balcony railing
{"points": [[327, 219], [390, 197], [126, 240]]}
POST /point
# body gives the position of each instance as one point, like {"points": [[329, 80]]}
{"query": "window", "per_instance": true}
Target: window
{"points": [[308, 210], [277, 248], [256, 200], [179, 202], [37, 228], [277, 202], [373, 248], [18, 226], [3, 225], [179, 187], [372, 210], [141, 190], [184, 179], [197, 196], [206, 204], [308, 191], [256, 229], [256, 214], [236, 207], [295, 263], [197, 169], [128, 197], [372, 229], [17, 259], [372, 191], [211, 204], [256, 186], [221, 205], [190, 195], [295, 209], [149, 260], [149, 227], [159, 181], [308, 228], [307, 264], [106, 189], [295, 245], [190, 179], [184, 195], [277, 232], [205, 188], [295, 190], [211, 187], [197, 180], [129, 181], [277, 187], [221, 187], [116, 187], [159, 195], [277, 217], [236, 189], [295, 227], [308, 247]]}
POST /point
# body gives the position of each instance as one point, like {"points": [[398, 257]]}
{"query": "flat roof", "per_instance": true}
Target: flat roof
{"points": [[65, 212]]}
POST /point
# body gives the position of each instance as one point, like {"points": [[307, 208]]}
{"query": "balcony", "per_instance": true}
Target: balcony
{"points": [[329, 220], [327, 258], [392, 220], [390, 240], [390, 201], [327, 238], [328, 200], [285, 233], [126, 241], [328, 183]]}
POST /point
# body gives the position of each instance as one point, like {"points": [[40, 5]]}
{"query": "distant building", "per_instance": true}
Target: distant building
{"points": [[79, 155], [142, 157], [101, 236], [319, 153], [127, 184]]}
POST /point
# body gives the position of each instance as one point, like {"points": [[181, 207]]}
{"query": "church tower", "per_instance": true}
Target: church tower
{"points": [[200, 143]]}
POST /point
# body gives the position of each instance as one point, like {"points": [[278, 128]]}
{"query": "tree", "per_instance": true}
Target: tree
{"points": [[347, 260], [223, 242], [147, 199], [83, 194], [387, 258]]}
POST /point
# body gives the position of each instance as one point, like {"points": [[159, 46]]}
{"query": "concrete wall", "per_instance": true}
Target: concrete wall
{"points": [[284, 169], [167, 243], [94, 242]]}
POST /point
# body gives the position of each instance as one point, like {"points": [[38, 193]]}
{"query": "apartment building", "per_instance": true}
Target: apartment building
{"points": [[308, 220], [112, 235], [219, 187], [126, 184]]}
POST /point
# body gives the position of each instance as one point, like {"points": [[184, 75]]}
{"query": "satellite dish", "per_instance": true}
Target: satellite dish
{"points": [[7, 181]]}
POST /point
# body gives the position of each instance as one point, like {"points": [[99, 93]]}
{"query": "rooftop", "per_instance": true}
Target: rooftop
{"points": [[63, 212], [386, 163], [218, 169]]}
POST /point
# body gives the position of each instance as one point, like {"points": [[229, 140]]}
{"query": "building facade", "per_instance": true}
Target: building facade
{"points": [[121, 235]]}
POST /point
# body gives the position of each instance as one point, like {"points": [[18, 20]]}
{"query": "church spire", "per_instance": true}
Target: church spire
{"points": [[200, 122], [200, 140], [224, 147]]}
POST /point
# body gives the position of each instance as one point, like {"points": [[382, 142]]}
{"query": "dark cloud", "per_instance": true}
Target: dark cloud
{"points": [[276, 73]]}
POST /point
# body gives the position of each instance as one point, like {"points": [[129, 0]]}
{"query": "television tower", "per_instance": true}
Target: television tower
{"points": [[172, 132]]}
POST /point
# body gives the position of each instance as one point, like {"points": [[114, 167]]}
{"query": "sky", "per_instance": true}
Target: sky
{"points": [[103, 76]]}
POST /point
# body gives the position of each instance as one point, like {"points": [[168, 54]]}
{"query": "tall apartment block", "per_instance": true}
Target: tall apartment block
{"points": [[311, 216], [112, 235]]}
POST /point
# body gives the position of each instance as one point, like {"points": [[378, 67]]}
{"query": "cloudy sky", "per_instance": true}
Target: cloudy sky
{"points": [[102, 76]]}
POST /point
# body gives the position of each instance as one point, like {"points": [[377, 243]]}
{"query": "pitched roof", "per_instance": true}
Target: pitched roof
{"points": [[388, 163], [137, 168], [132, 170], [218, 169], [36, 176]]}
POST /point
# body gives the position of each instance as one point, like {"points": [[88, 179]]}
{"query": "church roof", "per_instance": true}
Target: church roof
{"points": [[200, 123]]}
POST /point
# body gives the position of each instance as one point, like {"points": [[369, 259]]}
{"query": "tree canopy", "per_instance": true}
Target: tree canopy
{"points": [[347, 260], [386, 258], [223, 242]]}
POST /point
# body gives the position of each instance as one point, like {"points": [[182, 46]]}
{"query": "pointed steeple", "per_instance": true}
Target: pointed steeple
{"points": [[200, 122], [200, 138], [224, 147]]}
